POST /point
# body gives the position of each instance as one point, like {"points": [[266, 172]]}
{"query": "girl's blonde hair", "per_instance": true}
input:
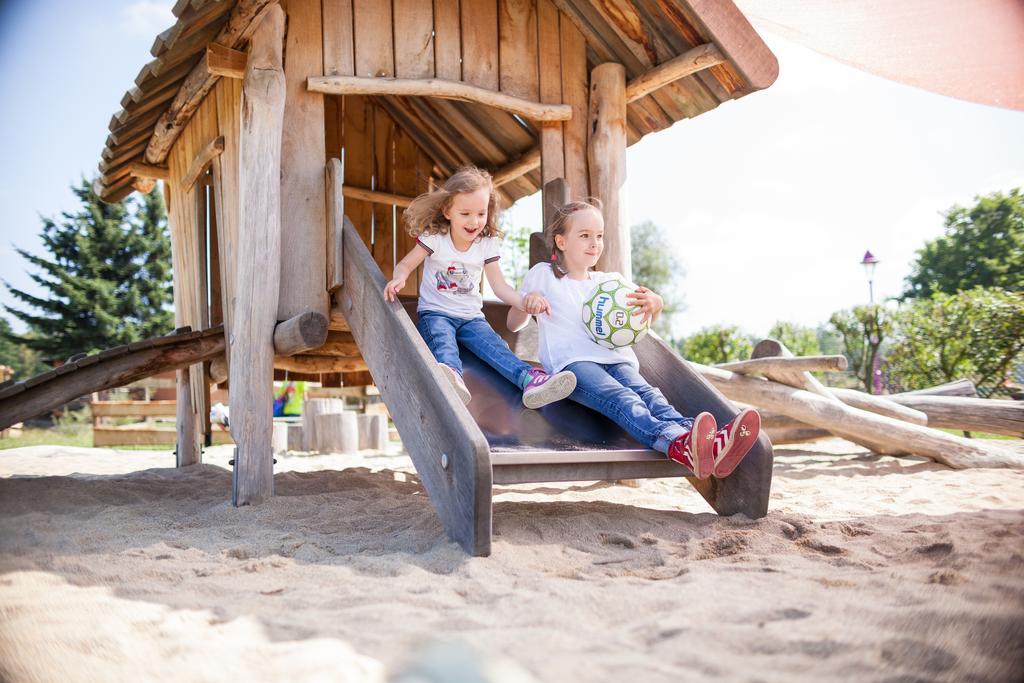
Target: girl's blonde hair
{"points": [[560, 225], [425, 215]]}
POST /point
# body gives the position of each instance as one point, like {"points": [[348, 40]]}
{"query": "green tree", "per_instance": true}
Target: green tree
{"points": [[24, 361], [108, 277], [515, 252], [864, 329], [802, 341], [983, 245], [656, 267], [717, 344], [977, 334]]}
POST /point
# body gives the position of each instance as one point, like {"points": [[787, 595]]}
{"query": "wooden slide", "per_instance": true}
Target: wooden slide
{"points": [[461, 451]]}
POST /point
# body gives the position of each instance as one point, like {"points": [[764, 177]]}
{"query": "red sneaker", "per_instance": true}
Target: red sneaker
{"points": [[694, 450], [734, 440]]}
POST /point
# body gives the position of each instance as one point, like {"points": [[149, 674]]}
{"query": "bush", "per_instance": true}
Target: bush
{"points": [[978, 334], [717, 344]]}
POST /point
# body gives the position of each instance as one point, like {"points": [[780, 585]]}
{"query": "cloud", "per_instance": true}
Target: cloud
{"points": [[146, 18]]}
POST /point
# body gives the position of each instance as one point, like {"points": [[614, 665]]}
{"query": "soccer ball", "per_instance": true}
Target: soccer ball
{"points": [[609, 316]]}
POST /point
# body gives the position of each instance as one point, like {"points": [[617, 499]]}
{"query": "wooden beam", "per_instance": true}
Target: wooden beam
{"points": [[187, 451], [436, 87], [199, 82], [690, 62], [224, 61], [606, 159], [259, 263], [314, 364], [302, 333], [738, 41], [141, 170], [335, 224], [529, 161], [144, 185], [375, 196], [792, 364], [998, 416], [210, 151]]}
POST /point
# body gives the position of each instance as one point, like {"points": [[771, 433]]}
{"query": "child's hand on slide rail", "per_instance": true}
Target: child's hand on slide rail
{"points": [[535, 304], [392, 289], [647, 303]]}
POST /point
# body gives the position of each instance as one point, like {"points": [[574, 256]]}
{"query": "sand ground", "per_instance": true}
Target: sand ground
{"points": [[114, 566]]}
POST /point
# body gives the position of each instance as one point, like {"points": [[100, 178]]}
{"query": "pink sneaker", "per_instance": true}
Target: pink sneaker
{"points": [[543, 388], [734, 440], [456, 379], [693, 450]]}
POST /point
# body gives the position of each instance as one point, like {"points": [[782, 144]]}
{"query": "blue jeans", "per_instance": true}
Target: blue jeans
{"points": [[618, 392], [443, 334]]}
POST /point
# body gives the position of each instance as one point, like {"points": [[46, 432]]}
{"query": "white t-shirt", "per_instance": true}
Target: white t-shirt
{"points": [[451, 278], [563, 336]]}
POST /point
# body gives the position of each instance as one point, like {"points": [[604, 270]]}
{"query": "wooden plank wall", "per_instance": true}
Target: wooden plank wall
{"points": [[527, 48]]}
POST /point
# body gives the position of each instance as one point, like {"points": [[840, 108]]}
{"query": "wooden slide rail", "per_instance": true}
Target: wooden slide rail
{"points": [[105, 370]]}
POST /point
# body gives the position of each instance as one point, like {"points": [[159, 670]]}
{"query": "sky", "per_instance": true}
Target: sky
{"points": [[769, 201]]}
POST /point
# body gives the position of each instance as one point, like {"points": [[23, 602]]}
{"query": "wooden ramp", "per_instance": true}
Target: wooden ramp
{"points": [[105, 370], [460, 451]]}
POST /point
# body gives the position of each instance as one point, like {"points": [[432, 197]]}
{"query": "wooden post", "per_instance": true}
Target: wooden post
{"points": [[259, 263], [606, 150], [304, 332], [188, 451], [303, 202]]}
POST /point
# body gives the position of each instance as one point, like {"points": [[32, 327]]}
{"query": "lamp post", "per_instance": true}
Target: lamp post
{"points": [[870, 262]]}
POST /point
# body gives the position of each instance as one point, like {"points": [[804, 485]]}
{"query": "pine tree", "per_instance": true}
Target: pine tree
{"points": [[109, 278]]}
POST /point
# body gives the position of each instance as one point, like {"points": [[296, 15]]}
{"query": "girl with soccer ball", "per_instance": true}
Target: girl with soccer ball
{"points": [[608, 377]]}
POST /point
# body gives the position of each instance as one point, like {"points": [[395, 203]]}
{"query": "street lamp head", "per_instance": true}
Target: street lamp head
{"points": [[870, 261]]}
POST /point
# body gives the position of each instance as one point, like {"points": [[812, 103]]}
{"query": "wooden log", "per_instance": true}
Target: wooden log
{"points": [[773, 348], [449, 451], [335, 224], [224, 61], [141, 170], [219, 369], [766, 364], [337, 432], [188, 450], [738, 41], [549, 59], [304, 332], [310, 364], [436, 87], [303, 192], [529, 161], [143, 185], [997, 416], [690, 62], [339, 344], [781, 435], [960, 387], [208, 153], [311, 408], [879, 433], [279, 438], [199, 82], [607, 162], [573, 48], [259, 263], [882, 405], [376, 196], [295, 439], [373, 432]]}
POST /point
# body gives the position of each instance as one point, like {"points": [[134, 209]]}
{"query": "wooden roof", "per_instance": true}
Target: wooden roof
{"points": [[639, 34]]}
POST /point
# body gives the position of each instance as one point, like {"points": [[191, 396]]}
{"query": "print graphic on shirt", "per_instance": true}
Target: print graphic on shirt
{"points": [[455, 279]]}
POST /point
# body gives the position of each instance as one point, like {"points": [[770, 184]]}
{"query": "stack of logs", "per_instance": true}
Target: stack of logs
{"points": [[328, 428], [797, 407]]}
